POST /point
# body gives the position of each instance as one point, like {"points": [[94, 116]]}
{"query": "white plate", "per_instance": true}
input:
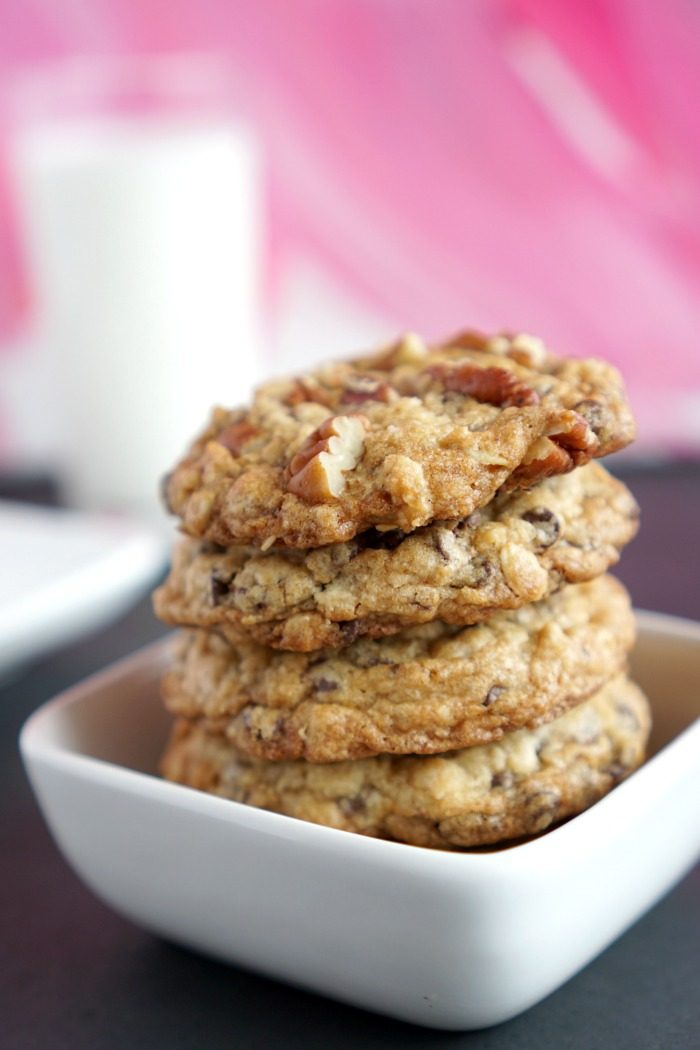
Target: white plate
{"points": [[63, 572], [450, 940]]}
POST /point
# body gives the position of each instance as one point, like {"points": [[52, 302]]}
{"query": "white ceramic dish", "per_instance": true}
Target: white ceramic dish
{"points": [[64, 572], [447, 940]]}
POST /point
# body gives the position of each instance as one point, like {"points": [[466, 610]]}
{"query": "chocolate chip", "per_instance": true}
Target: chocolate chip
{"points": [[483, 569], [627, 715], [371, 656], [474, 519], [588, 736], [593, 412], [493, 694], [279, 729], [350, 631], [164, 484], [219, 588], [542, 810], [502, 780], [375, 539], [209, 547], [546, 525], [254, 731], [439, 545], [354, 804], [324, 685]]}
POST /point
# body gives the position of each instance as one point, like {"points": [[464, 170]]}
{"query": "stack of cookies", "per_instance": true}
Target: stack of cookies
{"points": [[397, 619]]}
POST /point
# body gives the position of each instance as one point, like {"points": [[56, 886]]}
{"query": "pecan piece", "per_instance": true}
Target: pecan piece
{"points": [[359, 389], [408, 349], [495, 386], [468, 339], [548, 459], [576, 438], [234, 436], [316, 473], [308, 390], [560, 452], [526, 349]]}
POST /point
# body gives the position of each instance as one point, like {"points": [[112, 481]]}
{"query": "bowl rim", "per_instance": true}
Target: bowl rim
{"points": [[581, 833]]}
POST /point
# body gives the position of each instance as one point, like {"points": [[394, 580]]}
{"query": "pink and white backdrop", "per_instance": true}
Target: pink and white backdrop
{"points": [[514, 163]]}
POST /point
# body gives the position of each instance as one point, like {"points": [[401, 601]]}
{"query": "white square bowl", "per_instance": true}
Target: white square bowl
{"points": [[447, 940]]}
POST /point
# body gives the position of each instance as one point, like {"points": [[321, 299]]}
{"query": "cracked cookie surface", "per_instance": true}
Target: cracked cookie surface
{"points": [[518, 549], [429, 689], [396, 440], [478, 796]]}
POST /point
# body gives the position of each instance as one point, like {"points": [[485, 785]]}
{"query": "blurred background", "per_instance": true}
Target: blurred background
{"points": [[196, 194]]}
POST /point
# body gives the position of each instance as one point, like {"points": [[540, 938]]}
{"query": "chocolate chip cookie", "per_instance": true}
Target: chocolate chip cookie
{"points": [[518, 549], [429, 689], [397, 440], [521, 785]]}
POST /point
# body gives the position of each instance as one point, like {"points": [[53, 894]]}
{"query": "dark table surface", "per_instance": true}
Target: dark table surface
{"points": [[73, 974]]}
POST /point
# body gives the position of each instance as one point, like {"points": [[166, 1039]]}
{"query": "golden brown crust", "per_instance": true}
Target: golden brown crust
{"points": [[477, 796], [518, 549], [429, 689], [446, 428]]}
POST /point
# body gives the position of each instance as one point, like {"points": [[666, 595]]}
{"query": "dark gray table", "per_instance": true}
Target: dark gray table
{"points": [[72, 974]]}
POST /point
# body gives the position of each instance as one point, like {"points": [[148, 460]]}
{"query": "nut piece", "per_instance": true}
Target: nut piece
{"points": [[544, 459], [528, 350], [409, 349], [525, 349], [523, 572], [495, 386], [360, 388], [405, 481], [235, 436], [570, 446], [467, 339], [307, 389], [316, 471], [575, 435]]}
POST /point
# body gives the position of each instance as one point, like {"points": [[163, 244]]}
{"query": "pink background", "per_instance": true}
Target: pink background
{"points": [[523, 163]]}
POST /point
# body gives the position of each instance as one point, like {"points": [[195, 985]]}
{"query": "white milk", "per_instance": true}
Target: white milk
{"points": [[144, 241]]}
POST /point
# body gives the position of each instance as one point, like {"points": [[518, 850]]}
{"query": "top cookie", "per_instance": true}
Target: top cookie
{"points": [[396, 440]]}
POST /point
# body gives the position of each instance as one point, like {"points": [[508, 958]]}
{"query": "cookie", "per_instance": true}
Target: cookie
{"points": [[429, 689], [518, 549], [477, 796], [397, 440]]}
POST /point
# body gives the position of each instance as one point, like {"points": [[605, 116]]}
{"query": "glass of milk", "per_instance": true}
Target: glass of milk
{"points": [[140, 205]]}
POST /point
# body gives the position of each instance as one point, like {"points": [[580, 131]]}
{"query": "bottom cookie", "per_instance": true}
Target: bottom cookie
{"points": [[476, 796]]}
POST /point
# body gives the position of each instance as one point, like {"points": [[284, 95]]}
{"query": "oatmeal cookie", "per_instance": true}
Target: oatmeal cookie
{"points": [[477, 796], [396, 440], [518, 549], [429, 689]]}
